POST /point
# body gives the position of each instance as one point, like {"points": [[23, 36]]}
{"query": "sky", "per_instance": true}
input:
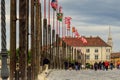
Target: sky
{"points": [[89, 17]]}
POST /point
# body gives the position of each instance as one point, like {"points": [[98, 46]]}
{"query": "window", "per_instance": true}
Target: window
{"points": [[87, 56], [87, 50], [96, 50], [107, 50], [96, 57]]}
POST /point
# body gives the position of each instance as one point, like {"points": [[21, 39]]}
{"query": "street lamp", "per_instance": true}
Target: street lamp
{"points": [[4, 68]]}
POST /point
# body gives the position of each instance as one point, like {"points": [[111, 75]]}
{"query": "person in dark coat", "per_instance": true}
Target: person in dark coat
{"points": [[46, 62], [95, 66], [111, 65], [76, 66], [66, 65]]}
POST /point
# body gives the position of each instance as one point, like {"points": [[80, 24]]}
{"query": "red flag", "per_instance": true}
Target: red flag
{"points": [[67, 20], [83, 40], [77, 34], [54, 4]]}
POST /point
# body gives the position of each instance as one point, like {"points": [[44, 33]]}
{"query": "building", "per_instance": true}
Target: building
{"points": [[115, 58], [94, 50]]}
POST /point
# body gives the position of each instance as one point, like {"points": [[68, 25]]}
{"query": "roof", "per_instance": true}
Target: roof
{"points": [[91, 41], [115, 55]]}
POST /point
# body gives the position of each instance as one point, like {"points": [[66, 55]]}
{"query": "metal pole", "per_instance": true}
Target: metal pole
{"points": [[4, 68]]}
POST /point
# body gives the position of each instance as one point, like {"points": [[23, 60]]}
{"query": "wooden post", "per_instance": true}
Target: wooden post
{"points": [[23, 38], [12, 39], [37, 37], [49, 42], [40, 18], [53, 48], [32, 41]]}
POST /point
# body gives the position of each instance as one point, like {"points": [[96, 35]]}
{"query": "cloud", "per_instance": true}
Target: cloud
{"points": [[90, 17], [97, 11], [93, 17]]}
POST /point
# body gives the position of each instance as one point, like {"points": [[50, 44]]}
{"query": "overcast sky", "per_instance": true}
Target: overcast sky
{"points": [[93, 18], [90, 17]]}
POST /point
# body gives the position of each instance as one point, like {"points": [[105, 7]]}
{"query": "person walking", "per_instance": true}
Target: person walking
{"points": [[76, 66], [46, 62], [106, 65], [95, 66], [111, 65]]}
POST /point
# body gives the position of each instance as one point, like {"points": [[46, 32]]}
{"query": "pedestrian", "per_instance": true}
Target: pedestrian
{"points": [[95, 66], [79, 66], [46, 62], [103, 65], [100, 65], [111, 65], [76, 66], [106, 65], [66, 65]]}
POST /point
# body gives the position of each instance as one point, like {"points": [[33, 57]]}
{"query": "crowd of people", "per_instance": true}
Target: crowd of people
{"points": [[105, 65]]}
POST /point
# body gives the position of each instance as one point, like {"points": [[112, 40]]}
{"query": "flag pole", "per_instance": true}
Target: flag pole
{"points": [[49, 33], [57, 36], [53, 40], [45, 30]]}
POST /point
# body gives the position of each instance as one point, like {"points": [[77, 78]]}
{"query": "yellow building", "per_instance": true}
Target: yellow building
{"points": [[115, 58]]}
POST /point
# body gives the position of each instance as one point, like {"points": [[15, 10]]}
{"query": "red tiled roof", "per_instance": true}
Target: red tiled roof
{"points": [[91, 41]]}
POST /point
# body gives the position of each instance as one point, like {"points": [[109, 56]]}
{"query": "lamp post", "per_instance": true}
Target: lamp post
{"points": [[4, 69]]}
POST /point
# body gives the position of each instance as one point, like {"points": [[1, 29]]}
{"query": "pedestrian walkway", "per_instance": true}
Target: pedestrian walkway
{"points": [[84, 75], [79, 75]]}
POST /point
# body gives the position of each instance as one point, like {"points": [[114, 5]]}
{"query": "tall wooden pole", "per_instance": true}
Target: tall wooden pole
{"points": [[27, 39], [27, 25], [12, 39], [32, 41], [53, 41], [37, 37], [45, 30], [23, 38], [49, 33], [40, 18]]}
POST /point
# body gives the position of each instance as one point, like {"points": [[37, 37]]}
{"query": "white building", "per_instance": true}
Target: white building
{"points": [[94, 50]]}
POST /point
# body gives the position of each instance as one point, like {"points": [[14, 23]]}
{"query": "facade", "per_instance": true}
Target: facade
{"points": [[94, 50], [115, 58]]}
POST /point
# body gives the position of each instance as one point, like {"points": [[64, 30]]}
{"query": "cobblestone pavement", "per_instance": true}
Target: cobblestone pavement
{"points": [[84, 75]]}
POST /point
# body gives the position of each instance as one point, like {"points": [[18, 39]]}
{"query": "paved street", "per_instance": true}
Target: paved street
{"points": [[84, 75]]}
